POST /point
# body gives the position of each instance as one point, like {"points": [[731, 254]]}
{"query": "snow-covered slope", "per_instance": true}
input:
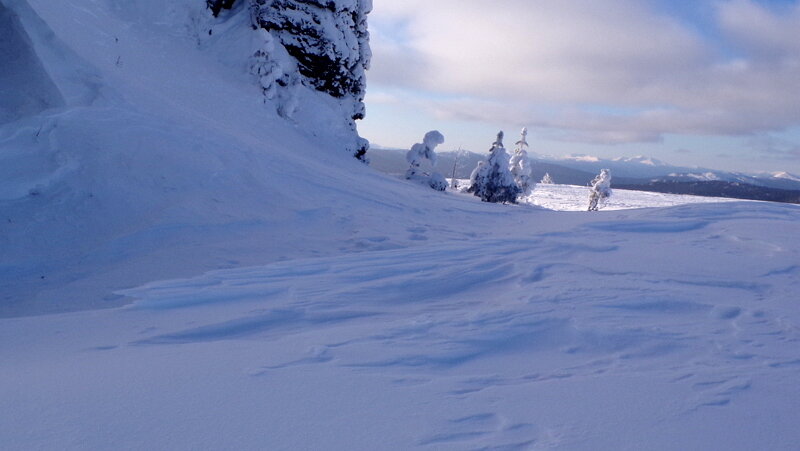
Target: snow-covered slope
{"points": [[654, 329], [163, 158], [576, 198], [785, 175], [271, 292]]}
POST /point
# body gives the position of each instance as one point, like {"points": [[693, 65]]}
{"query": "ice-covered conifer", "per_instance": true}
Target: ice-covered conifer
{"points": [[547, 180], [600, 189], [520, 165], [426, 150], [492, 181]]}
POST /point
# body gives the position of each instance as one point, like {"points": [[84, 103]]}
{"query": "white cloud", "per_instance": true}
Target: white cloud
{"points": [[569, 65], [764, 35]]}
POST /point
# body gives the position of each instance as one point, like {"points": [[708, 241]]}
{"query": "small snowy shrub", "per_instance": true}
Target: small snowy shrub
{"points": [[426, 151], [600, 189], [491, 180], [547, 180], [520, 165]]}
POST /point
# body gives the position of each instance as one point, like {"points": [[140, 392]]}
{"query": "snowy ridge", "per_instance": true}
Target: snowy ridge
{"points": [[642, 167], [703, 176], [640, 159], [785, 175]]}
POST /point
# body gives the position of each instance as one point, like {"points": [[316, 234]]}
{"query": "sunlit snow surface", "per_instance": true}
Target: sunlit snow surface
{"points": [[576, 198]]}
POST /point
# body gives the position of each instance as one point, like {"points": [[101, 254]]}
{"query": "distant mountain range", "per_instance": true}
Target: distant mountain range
{"points": [[638, 173], [652, 170]]}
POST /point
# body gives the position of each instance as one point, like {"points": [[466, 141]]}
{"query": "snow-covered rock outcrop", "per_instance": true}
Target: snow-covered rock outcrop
{"points": [[318, 44], [141, 126], [329, 40]]}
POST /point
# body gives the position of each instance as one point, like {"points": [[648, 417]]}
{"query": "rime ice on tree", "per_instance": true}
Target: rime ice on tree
{"points": [[426, 151], [600, 189], [547, 180], [520, 165], [459, 154], [492, 181]]}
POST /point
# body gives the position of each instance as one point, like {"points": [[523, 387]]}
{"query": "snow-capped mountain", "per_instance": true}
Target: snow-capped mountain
{"points": [[631, 167], [649, 161], [785, 175], [641, 167]]}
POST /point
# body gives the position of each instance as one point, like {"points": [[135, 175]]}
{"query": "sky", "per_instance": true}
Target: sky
{"points": [[708, 83]]}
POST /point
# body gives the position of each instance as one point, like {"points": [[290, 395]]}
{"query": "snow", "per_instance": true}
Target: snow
{"points": [[520, 165], [492, 179], [640, 159], [786, 175], [535, 338], [426, 150], [25, 86], [586, 158], [706, 176], [182, 268], [575, 198], [178, 150]]}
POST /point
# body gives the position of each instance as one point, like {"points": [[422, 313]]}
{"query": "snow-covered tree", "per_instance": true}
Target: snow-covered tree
{"points": [[600, 189], [426, 150], [458, 156], [491, 180], [520, 165], [547, 180]]}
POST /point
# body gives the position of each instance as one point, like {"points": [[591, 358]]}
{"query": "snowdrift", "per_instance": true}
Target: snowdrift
{"points": [[135, 143]]}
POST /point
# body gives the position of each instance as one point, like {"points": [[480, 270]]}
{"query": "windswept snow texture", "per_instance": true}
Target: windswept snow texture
{"points": [[654, 329], [209, 275]]}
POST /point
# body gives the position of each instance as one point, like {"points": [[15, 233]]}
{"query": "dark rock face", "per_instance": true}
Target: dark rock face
{"points": [[322, 45], [218, 5], [328, 38]]}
